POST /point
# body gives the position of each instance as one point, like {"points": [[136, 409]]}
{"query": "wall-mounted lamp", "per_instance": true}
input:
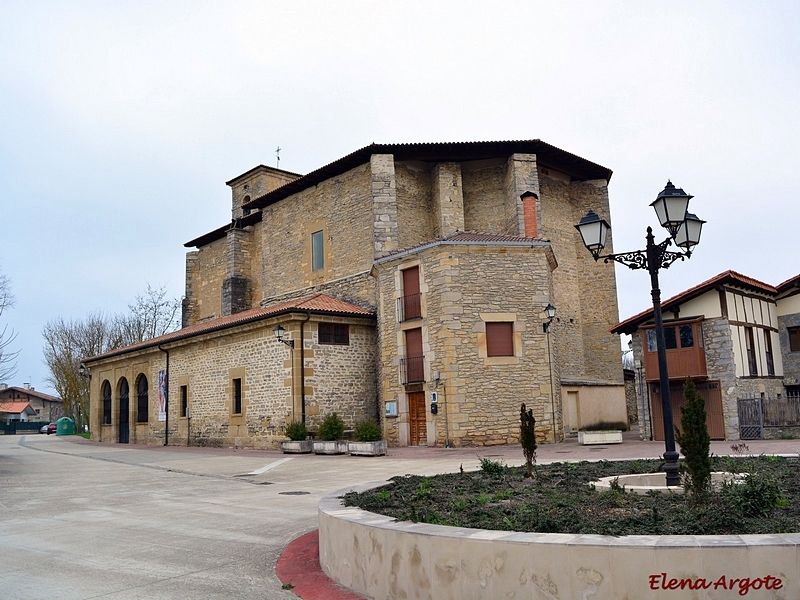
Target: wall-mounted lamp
{"points": [[279, 333], [84, 372], [550, 311]]}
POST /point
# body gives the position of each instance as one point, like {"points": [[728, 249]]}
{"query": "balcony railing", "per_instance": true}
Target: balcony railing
{"points": [[409, 307], [412, 369]]}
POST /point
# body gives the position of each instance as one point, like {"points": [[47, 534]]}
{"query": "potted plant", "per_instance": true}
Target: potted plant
{"points": [[330, 433], [369, 440], [297, 434]]}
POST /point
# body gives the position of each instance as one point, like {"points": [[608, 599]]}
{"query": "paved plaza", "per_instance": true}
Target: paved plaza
{"points": [[84, 520]]}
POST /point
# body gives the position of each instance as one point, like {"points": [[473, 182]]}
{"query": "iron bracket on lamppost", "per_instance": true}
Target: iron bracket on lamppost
{"points": [[671, 206]]}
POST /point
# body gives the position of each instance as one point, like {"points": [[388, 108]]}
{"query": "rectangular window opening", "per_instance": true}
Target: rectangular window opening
{"points": [[334, 333], [184, 400], [751, 351], [768, 348], [500, 339], [317, 251], [794, 339], [237, 396]]}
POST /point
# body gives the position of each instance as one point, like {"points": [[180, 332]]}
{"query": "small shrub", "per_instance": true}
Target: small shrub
{"points": [[492, 468], [367, 431], [332, 428], [296, 431], [695, 443], [757, 495], [527, 437]]}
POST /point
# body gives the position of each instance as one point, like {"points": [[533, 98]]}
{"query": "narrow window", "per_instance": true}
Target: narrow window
{"points": [[184, 399], [687, 336], [415, 361], [142, 404], [670, 339], [334, 333], [652, 345], [106, 403], [500, 339], [412, 308], [768, 349], [794, 339], [237, 396], [751, 352], [317, 251]]}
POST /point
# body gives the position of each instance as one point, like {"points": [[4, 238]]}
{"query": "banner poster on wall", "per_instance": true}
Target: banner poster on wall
{"points": [[162, 395]]}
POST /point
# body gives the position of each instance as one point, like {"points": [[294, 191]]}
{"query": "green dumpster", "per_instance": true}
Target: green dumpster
{"points": [[65, 426]]}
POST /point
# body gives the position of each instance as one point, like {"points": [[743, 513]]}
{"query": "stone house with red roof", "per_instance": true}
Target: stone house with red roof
{"points": [[46, 407], [736, 337], [410, 280]]}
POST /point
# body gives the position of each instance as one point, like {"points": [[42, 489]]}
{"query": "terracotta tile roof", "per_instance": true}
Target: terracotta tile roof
{"points": [[788, 284], [15, 407], [30, 392], [316, 303], [469, 237], [728, 277]]}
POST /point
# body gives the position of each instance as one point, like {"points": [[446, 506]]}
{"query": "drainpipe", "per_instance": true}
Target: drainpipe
{"points": [[303, 368], [166, 398]]}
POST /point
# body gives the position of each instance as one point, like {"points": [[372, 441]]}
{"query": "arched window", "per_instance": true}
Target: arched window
{"points": [[106, 403], [142, 404], [124, 412]]}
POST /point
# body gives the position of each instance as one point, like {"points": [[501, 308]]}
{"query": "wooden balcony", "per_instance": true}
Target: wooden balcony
{"points": [[686, 356]]}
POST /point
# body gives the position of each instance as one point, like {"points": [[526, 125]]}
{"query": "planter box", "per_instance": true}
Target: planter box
{"points": [[553, 565], [297, 447], [367, 448], [335, 447], [588, 438]]}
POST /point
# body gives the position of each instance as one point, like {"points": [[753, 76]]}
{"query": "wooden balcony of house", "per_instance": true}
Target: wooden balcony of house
{"points": [[686, 356]]}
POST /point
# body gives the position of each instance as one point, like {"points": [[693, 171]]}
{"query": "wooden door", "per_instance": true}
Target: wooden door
{"points": [[711, 393], [417, 416]]}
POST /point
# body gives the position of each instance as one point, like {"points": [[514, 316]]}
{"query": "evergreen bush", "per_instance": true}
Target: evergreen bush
{"points": [[367, 431], [296, 431], [695, 443], [527, 437], [332, 428]]}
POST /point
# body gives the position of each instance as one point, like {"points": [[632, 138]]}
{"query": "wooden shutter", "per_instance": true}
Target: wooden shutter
{"points": [[500, 339]]}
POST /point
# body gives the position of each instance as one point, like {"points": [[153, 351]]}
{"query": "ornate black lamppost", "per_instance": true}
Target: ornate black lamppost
{"points": [[671, 207]]}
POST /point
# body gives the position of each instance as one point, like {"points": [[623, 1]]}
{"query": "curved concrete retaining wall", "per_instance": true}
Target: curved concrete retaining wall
{"points": [[383, 559]]}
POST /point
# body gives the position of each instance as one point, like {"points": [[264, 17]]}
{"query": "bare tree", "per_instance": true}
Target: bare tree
{"points": [[8, 359], [67, 343], [152, 314]]}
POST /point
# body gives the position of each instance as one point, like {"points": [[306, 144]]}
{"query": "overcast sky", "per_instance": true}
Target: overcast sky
{"points": [[121, 121]]}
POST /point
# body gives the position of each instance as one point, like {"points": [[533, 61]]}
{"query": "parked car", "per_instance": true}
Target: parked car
{"points": [[48, 429]]}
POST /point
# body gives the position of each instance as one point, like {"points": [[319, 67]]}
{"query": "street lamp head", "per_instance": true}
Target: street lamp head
{"points": [[671, 206], [279, 332], [550, 311], [593, 232], [688, 235]]}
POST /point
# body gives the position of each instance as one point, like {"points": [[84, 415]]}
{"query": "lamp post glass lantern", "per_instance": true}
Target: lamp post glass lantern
{"points": [[671, 206], [279, 333]]}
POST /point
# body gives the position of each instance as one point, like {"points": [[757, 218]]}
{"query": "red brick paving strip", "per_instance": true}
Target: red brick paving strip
{"points": [[299, 566]]}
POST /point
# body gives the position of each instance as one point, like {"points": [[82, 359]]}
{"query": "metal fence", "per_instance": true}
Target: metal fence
{"points": [[760, 412]]}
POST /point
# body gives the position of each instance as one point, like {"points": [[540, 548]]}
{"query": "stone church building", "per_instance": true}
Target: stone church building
{"points": [[407, 283]]}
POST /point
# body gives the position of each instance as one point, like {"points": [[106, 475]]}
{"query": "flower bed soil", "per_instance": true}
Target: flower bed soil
{"points": [[560, 499]]}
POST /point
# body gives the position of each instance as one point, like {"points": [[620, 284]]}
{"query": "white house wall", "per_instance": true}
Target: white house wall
{"points": [[788, 306], [706, 305]]}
